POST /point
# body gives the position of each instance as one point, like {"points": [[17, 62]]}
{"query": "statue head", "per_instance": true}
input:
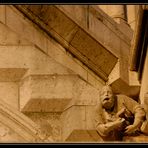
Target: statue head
{"points": [[107, 97]]}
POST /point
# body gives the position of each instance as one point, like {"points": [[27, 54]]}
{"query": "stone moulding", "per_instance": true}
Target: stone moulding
{"points": [[19, 124]]}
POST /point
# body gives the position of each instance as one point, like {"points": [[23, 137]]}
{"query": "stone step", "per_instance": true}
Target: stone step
{"points": [[45, 105], [54, 93]]}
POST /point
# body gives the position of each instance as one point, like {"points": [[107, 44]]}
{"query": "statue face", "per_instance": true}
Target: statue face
{"points": [[107, 97]]}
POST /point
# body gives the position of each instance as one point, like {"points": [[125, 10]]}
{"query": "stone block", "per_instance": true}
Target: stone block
{"points": [[112, 41], [90, 110], [9, 37], [66, 94], [97, 27], [54, 86], [52, 92], [15, 126], [50, 126], [7, 135], [54, 19], [111, 27], [22, 58], [125, 28], [14, 56], [10, 98], [2, 13], [25, 28], [59, 54], [81, 12], [78, 116], [38, 59], [116, 13], [124, 70], [78, 125], [72, 119], [55, 93], [133, 78], [13, 18], [94, 52], [25, 92], [115, 73], [12, 74], [119, 81], [92, 79], [84, 94], [120, 87], [40, 39]]}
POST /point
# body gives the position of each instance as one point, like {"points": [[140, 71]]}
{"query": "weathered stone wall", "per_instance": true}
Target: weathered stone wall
{"points": [[32, 71], [124, 12], [50, 124], [40, 78], [24, 28]]}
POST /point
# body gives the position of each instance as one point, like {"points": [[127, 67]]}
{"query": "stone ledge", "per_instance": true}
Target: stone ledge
{"points": [[136, 139], [119, 86], [46, 105], [52, 89], [12, 74], [91, 136], [86, 136], [120, 81]]}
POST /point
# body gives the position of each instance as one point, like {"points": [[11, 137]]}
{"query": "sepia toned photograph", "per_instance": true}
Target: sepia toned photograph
{"points": [[73, 73]]}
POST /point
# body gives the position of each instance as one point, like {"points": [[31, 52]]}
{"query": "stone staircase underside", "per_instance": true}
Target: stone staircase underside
{"points": [[92, 37], [73, 37]]}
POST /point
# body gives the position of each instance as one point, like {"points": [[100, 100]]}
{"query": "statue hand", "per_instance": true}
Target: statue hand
{"points": [[114, 125], [121, 112], [130, 129], [119, 122]]}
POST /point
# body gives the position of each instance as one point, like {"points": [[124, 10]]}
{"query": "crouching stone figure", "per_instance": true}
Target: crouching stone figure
{"points": [[117, 115]]}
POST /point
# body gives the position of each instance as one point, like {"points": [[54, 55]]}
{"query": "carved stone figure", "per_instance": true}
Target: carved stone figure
{"points": [[117, 115]]}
